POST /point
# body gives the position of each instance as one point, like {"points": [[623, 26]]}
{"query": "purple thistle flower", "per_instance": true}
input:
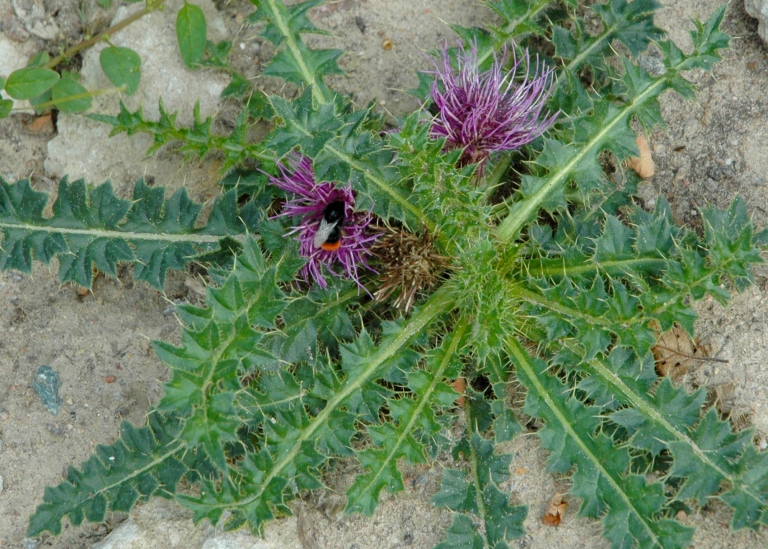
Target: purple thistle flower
{"points": [[487, 112], [309, 203]]}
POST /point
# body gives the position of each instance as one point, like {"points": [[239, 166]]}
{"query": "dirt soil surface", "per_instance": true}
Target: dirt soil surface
{"points": [[99, 342]]}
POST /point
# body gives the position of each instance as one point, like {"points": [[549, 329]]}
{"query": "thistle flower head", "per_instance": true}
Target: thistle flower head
{"points": [[482, 113], [309, 203]]}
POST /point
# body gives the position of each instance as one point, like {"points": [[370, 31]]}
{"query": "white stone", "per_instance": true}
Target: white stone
{"points": [[82, 148], [163, 524], [125, 535], [759, 10], [11, 57]]}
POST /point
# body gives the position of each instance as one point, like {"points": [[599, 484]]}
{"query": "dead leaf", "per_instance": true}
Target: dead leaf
{"points": [[643, 164], [675, 353], [459, 385], [555, 510], [41, 124]]}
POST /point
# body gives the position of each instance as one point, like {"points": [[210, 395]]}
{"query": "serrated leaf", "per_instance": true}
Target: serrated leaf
{"points": [[502, 522], [414, 422], [143, 462], [628, 503], [94, 228], [461, 534]]}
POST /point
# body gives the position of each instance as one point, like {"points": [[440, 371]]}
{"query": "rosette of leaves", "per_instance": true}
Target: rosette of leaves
{"points": [[558, 286]]}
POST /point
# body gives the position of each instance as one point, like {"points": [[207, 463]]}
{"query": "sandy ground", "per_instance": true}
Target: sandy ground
{"points": [[98, 343]]}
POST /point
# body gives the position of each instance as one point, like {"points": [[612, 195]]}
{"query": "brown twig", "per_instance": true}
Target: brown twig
{"points": [[692, 357]]}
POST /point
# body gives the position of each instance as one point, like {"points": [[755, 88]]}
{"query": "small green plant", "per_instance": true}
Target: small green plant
{"points": [[499, 250]]}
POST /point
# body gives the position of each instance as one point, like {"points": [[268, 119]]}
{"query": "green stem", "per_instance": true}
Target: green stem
{"points": [[474, 467], [538, 299], [492, 182], [76, 97], [308, 75], [122, 235], [510, 227], [150, 6], [549, 268]]}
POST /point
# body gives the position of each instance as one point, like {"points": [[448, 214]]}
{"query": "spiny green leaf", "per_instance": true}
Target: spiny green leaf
{"points": [[628, 22], [295, 62], [461, 534], [298, 439], [143, 462], [413, 423], [609, 128], [479, 494], [198, 140], [91, 227], [629, 504]]}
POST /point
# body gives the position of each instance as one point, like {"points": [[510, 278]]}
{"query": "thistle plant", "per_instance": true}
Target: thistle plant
{"points": [[557, 285]]}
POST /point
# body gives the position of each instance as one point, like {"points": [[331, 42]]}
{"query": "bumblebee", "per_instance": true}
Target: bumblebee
{"points": [[328, 235]]}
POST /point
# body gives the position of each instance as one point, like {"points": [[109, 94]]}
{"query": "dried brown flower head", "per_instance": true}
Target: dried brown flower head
{"points": [[407, 263]]}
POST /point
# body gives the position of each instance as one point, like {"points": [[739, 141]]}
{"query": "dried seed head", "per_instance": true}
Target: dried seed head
{"points": [[407, 263]]}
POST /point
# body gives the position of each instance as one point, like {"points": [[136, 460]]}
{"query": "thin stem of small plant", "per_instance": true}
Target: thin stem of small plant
{"points": [[150, 6], [76, 97]]}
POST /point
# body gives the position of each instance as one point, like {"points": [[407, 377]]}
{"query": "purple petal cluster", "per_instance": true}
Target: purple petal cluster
{"points": [[482, 113], [308, 203]]}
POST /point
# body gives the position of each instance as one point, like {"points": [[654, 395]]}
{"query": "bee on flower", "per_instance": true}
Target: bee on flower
{"points": [[330, 232]]}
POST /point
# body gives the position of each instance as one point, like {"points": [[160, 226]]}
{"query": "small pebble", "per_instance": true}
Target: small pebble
{"points": [[47, 385], [110, 379], [387, 45]]}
